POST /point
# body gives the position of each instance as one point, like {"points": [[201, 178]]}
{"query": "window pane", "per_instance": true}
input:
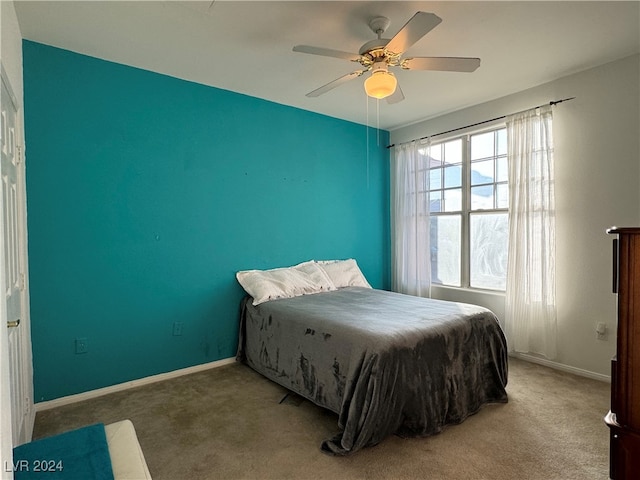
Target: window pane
{"points": [[453, 176], [482, 197], [502, 141], [502, 195], [453, 151], [445, 249], [503, 172], [488, 234], [435, 152], [435, 202], [482, 146], [453, 200], [482, 172], [435, 178]]}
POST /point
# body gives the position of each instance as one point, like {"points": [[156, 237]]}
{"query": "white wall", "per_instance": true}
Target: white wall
{"points": [[597, 156]]}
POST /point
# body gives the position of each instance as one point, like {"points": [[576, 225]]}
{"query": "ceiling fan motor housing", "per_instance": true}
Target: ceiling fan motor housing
{"points": [[374, 48]]}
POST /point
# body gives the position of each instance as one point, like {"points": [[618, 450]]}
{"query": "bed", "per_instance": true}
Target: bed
{"points": [[385, 362]]}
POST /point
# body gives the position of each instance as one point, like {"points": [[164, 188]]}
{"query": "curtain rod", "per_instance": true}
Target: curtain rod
{"points": [[552, 103]]}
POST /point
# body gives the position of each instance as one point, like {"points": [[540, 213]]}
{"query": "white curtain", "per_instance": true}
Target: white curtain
{"points": [[411, 262], [530, 317]]}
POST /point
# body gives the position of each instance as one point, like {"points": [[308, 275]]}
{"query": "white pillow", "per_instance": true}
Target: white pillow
{"points": [[344, 273], [302, 279], [317, 275]]}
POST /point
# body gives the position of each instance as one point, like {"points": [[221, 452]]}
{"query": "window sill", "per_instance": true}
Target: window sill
{"points": [[475, 291], [490, 299]]}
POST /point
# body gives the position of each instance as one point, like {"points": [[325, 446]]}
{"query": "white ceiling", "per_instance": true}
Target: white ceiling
{"points": [[246, 46]]}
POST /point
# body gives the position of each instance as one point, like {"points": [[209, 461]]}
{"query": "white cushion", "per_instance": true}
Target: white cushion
{"points": [[344, 273], [127, 459], [302, 279]]}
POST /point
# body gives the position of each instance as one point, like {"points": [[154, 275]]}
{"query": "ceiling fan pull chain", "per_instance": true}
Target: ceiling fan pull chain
{"points": [[378, 120]]}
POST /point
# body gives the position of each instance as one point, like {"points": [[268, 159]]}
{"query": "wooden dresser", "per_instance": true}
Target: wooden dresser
{"points": [[624, 417]]}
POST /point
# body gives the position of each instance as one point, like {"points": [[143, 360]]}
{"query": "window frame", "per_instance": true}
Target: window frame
{"points": [[466, 212]]}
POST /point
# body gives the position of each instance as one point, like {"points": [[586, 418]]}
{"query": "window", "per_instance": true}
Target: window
{"points": [[468, 203]]}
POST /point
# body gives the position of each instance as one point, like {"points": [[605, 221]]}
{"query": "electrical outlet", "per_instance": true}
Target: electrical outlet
{"points": [[81, 345], [177, 329]]}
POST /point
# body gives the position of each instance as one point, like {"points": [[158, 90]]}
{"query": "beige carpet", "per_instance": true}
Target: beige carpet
{"points": [[227, 423]]}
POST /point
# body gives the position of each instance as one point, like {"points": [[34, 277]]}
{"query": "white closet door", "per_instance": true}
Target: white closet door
{"points": [[13, 223]]}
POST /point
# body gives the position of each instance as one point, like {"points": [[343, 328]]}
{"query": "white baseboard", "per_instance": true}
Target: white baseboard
{"points": [[58, 402], [561, 366]]}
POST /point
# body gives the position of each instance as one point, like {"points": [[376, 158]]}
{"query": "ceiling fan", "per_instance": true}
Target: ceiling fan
{"points": [[379, 54]]}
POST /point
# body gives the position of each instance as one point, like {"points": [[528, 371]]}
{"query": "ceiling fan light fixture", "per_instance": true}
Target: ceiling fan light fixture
{"points": [[380, 84]]}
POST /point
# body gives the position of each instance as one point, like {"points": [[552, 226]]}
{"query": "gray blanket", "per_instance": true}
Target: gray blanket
{"points": [[384, 362]]}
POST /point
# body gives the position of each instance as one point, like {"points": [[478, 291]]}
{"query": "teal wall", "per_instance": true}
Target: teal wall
{"points": [[145, 194]]}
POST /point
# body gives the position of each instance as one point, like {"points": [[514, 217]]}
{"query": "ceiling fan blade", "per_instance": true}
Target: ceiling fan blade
{"points": [[327, 52], [416, 28], [338, 81], [396, 96], [447, 64]]}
